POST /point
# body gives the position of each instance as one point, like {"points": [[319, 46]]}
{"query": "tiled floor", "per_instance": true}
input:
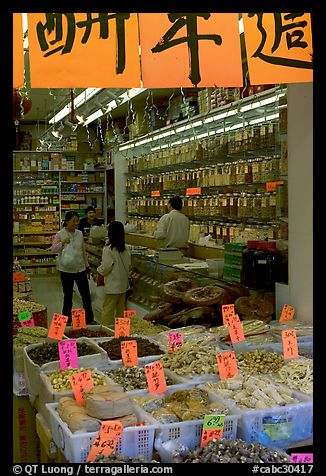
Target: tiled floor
{"points": [[48, 291]]}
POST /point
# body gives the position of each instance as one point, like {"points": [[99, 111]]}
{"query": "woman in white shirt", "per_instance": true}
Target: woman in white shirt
{"points": [[73, 265], [115, 266]]}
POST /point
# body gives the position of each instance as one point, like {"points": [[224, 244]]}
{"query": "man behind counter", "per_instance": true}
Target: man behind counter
{"points": [[174, 226], [89, 220]]}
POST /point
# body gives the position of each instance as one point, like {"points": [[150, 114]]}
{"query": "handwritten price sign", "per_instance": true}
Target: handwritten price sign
{"points": [[301, 458], [29, 323], [175, 341], [68, 354], [129, 353], [227, 364], [79, 382], [24, 316], [122, 327], [227, 311], [18, 277], [290, 344], [130, 313], [155, 377], [287, 313], [235, 328], [212, 428], [106, 440], [57, 327], [78, 318]]}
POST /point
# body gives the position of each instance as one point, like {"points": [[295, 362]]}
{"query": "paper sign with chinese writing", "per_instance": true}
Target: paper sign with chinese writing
{"points": [[18, 277], [130, 313], [129, 353], [29, 323], [193, 191], [227, 364], [79, 382], [301, 458], [271, 186], [290, 343], [122, 327], [287, 313], [155, 377], [235, 328], [279, 47], [227, 311], [175, 341], [57, 326], [68, 354], [24, 316], [102, 445], [111, 428], [70, 50], [78, 318], [155, 193], [18, 51], [183, 49], [212, 428]]}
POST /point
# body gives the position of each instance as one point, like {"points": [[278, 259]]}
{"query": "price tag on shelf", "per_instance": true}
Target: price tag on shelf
{"points": [[68, 354], [287, 313], [175, 341], [227, 311], [155, 193], [79, 382], [235, 328], [301, 458], [193, 191], [130, 313], [78, 318], [129, 353], [271, 186], [57, 326], [155, 377], [29, 323], [122, 327], [290, 343], [212, 428], [227, 364], [24, 316], [18, 277]]}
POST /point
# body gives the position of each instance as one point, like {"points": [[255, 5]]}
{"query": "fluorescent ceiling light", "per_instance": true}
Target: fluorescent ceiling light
{"points": [[79, 100]]}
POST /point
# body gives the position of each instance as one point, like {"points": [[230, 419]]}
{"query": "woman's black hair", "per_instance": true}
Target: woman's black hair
{"points": [[68, 216], [116, 234]]}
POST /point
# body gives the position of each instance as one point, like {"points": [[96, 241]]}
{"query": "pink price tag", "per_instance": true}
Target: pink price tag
{"points": [[29, 323], [68, 354], [302, 458], [175, 341]]}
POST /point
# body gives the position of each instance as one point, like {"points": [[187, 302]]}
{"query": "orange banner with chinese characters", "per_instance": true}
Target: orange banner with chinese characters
{"points": [[187, 49], [279, 47], [18, 51], [69, 50]]}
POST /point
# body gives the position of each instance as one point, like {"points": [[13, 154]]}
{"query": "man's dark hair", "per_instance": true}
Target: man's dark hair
{"points": [[116, 234], [176, 202], [89, 209]]}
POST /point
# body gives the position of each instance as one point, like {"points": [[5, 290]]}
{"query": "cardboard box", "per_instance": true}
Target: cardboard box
{"points": [[25, 440]]}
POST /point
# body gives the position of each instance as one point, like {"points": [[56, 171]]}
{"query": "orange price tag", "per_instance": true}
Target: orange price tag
{"points": [[193, 191], [79, 382], [78, 318], [155, 193], [235, 328], [57, 326], [129, 353], [130, 313], [290, 344], [155, 377], [18, 277], [227, 364], [102, 445], [121, 327], [287, 313], [227, 311], [111, 428], [271, 186]]}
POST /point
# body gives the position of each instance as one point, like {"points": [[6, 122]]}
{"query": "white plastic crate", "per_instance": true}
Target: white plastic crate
{"points": [[19, 384], [135, 440], [191, 430], [115, 364]]}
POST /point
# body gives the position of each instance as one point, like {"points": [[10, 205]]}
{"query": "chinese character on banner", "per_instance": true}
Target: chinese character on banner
{"points": [[62, 41], [279, 47], [183, 49], [18, 51]]}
